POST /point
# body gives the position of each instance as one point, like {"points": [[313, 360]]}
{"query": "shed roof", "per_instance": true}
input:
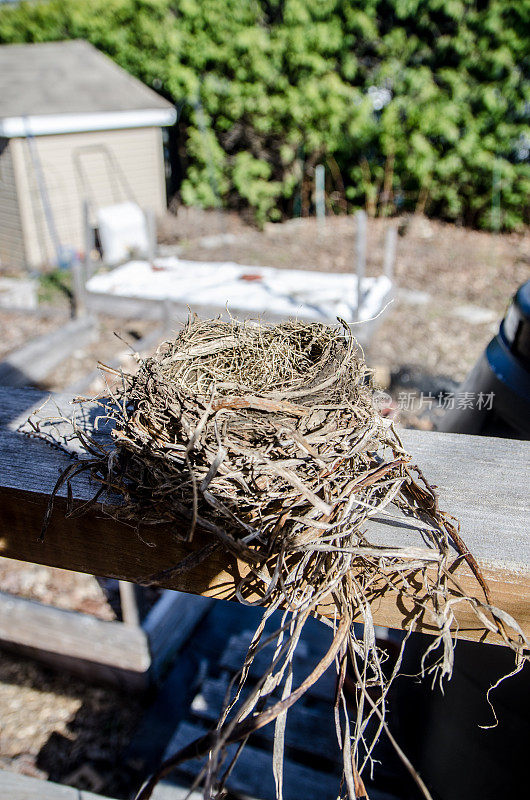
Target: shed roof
{"points": [[69, 79]]}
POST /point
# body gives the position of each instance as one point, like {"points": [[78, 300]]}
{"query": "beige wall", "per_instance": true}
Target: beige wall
{"points": [[11, 238], [138, 156]]}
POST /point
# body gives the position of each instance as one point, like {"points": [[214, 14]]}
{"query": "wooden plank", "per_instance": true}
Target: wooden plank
{"points": [[64, 631], [482, 481], [129, 656], [312, 732], [36, 359], [145, 308], [22, 787], [168, 791], [170, 623], [252, 774], [93, 648], [118, 306], [303, 663], [42, 311]]}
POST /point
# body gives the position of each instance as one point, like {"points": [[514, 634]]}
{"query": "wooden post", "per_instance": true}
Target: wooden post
{"points": [[320, 198], [131, 602], [88, 238], [360, 218], [496, 196], [167, 316], [390, 252], [78, 286], [151, 234]]}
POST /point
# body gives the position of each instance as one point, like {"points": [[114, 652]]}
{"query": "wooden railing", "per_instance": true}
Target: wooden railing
{"points": [[484, 482]]}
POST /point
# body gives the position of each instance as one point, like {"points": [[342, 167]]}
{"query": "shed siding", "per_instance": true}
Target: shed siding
{"points": [[11, 237], [132, 169]]}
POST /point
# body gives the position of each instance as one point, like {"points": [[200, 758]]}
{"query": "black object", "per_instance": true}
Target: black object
{"points": [[499, 383], [441, 733]]}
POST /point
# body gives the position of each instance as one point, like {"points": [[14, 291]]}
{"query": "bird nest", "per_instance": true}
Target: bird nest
{"points": [[267, 440]]}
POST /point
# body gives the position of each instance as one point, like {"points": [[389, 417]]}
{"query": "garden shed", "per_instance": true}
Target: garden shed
{"points": [[76, 131]]}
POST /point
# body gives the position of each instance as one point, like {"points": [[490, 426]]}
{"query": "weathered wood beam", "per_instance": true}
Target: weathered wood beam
{"points": [[34, 361], [96, 649], [22, 787], [128, 656], [149, 309], [482, 481]]}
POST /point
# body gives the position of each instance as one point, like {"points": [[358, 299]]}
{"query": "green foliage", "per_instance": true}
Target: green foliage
{"points": [[407, 101], [251, 178], [55, 286]]}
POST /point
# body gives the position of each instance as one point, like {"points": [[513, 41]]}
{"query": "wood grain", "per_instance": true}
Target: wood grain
{"points": [[60, 631], [252, 774], [131, 657], [482, 481]]}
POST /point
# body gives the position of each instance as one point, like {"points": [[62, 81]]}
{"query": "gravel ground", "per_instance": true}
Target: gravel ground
{"points": [[73, 591], [111, 346], [55, 727], [17, 328]]}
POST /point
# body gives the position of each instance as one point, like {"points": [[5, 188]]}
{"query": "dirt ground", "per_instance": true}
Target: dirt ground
{"points": [[467, 265], [453, 287], [451, 267], [73, 591], [55, 727], [16, 328], [114, 345]]}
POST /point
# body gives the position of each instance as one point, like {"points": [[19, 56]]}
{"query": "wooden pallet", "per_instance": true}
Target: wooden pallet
{"points": [[129, 656], [312, 766]]}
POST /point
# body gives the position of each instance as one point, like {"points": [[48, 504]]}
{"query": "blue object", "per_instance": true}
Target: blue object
{"points": [[502, 372]]}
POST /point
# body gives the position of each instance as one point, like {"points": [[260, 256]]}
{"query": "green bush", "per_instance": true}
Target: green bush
{"points": [[410, 103]]}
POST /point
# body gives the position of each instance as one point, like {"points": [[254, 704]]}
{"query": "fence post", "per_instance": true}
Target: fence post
{"points": [[390, 252], [78, 286], [151, 234], [320, 194], [360, 242]]}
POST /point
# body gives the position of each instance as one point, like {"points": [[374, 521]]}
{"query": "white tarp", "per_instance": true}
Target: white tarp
{"points": [[298, 293]]}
